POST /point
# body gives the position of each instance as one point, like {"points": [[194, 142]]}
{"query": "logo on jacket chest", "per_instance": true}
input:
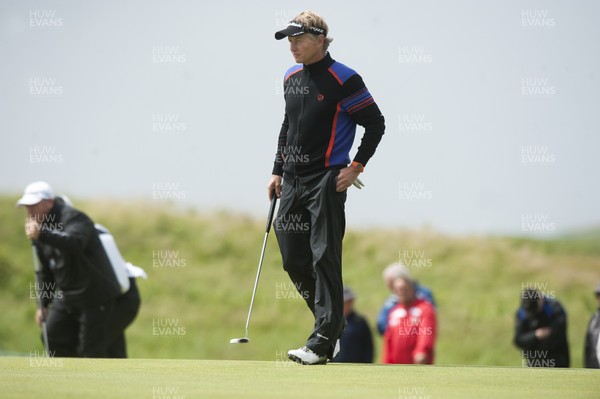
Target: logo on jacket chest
{"points": [[406, 318], [297, 87]]}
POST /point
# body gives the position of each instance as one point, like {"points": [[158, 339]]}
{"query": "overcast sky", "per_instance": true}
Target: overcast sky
{"points": [[491, 109]]}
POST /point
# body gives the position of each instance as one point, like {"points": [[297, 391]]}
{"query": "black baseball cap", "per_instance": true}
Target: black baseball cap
{"points": [[297, 29]]}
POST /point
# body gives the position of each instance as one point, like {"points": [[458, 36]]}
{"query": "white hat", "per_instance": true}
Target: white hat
{"points": [[36, 192]]}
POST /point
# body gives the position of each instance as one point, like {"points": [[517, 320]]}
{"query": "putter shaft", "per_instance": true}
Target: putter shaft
{"points": [[260, 262]]}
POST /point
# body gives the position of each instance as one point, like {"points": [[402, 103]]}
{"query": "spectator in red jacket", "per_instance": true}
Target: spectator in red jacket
{"points": [[411, 329]]}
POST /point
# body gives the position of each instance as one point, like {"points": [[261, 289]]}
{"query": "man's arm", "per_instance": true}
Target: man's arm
{"points": [[382, 319], [523, 339], [362, 109], [281, 142], [386, 356], [274, 184], [558, 326], [45, 287], [426, 335], [71, 235]]}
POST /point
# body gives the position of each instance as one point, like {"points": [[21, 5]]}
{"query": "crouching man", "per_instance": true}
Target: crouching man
{"points": [[77, 286]]}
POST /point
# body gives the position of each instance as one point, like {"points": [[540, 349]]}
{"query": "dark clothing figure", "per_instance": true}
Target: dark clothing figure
{"points": [[75, 331], [324, 102], [356, 343], [128, 303], [78, 283], [126, 309], [541, 313], [591, 355]]}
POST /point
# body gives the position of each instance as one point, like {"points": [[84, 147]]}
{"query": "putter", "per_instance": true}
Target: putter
{"points": [[245, 340], [38, 272]]}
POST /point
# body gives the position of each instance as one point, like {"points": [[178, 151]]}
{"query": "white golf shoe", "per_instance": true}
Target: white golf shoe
{"points": [[306, 356]]}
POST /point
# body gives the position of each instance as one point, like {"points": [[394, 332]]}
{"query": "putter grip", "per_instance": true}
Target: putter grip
{"points": [[271, 212]]}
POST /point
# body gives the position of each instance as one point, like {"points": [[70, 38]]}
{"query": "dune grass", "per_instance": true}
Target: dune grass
{"points": [[201, 270]]}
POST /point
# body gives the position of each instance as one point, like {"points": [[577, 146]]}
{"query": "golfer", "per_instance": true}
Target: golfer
{"points": [[324, 101], [78, 284]]}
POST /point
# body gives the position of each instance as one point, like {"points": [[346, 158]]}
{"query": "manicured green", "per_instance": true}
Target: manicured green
{"points": [[36, 377]]}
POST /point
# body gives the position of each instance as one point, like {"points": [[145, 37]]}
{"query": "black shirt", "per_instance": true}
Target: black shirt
{"points": [[324, 102]]}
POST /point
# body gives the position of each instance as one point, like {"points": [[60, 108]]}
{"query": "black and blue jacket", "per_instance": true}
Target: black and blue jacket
{"points": [[324, 102], [552, 351]]}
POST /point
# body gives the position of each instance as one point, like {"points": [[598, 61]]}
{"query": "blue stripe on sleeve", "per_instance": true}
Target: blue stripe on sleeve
{"points": [[293, 70], [344, 137], [342, 71], [351, 101]]}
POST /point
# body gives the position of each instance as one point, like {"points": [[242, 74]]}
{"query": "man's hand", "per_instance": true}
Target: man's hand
{"points": [[32, 228], [420, 358], [38, 316], [543, 333], [274, 185], [345, 179]]}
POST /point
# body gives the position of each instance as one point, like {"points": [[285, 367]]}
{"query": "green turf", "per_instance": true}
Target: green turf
{"points": [[31, 377]]}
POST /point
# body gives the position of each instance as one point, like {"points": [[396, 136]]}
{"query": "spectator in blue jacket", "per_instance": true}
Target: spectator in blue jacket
{"points": [[391, 273]]}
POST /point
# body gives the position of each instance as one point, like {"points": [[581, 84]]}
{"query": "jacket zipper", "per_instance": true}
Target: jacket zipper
{"points": [[303, 103]]}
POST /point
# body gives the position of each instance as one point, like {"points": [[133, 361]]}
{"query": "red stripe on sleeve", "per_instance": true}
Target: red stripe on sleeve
{"points": [[335, 76], [362, 105], [358, 93], [332, 137]]}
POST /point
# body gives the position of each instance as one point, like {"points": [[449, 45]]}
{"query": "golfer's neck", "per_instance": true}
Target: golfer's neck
{"points": [[318, 57]]}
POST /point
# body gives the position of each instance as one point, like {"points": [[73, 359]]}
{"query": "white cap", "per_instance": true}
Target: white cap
{"points": [[36, 192]]}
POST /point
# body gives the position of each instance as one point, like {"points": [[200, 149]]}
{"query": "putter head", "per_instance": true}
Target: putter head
{"points": [[239, 340]]}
